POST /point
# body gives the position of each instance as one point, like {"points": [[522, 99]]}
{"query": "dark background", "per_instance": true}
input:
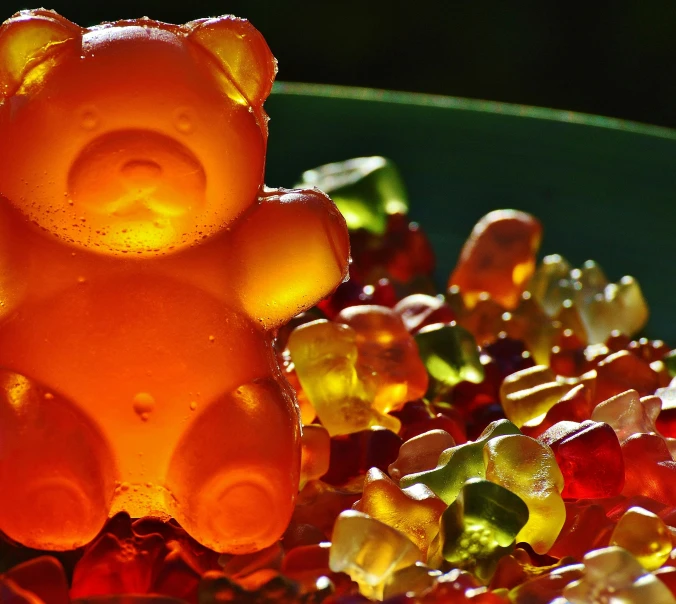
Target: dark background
{"points": [[615, 58]]}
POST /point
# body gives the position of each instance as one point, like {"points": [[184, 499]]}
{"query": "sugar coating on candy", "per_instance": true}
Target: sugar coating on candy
{"points": [[146, 267]]}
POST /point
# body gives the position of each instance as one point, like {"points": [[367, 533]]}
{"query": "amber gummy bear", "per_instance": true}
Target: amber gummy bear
{"points": [[144, 267], [498, 258]]}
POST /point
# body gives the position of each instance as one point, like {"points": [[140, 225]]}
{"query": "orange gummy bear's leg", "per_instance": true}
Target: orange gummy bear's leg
{"points": [[56, 471], [234, 476]]}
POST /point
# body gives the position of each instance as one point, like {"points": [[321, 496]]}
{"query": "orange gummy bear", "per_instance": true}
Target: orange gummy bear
{"points": [[143, 267], [498, 258]]}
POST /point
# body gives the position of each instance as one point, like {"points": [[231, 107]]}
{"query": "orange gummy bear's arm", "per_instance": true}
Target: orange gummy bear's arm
{"points": [[289, 251]]}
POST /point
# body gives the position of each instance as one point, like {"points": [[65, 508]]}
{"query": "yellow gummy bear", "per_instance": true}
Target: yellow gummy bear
{"points": [[528, 469], [325, 355], [645, 536]]}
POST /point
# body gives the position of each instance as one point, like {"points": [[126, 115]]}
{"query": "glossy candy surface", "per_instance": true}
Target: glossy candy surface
{"points": [[529, 469], [498, 258], [144, 267], [413, 486], [481, 526]]}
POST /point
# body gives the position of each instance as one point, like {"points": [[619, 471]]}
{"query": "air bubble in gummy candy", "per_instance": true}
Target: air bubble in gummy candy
{"points": [[144, 265]]}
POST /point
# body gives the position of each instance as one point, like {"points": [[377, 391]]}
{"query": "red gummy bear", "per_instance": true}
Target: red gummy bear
{"points": [[589, 457]]}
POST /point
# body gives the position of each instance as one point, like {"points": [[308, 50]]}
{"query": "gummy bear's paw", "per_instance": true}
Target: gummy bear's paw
{"points": [[53, 513], [234, 475], [56, 470], [236, 512]]}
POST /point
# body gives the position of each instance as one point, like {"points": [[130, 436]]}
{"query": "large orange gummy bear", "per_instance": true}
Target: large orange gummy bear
{"points": [[142, 268]]}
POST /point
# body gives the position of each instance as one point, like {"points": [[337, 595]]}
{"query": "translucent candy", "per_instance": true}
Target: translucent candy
{"points": [[530, 393], [414, 511], [342, 393], [650, 470], [549, 284], [548, 587], [528, 469], [353, 455], [316, 446], [484, 320], [307, 563], [450, 355], [622, 371], [586, 528], [602, 306], [420, 310], [588, 282], [571, 320], [645, 536], [589, 457], [621, 306], [418, 417], [612, 574], [459, 464], [369, 551], [415, 580], [480, 526], [403, 255], [148, 268], [319, 504], [390, 352], [528, 322], [666, 420], [498, 258], [420, 453], [365, 189], [37, 581], [575, 405], [628, 414]]}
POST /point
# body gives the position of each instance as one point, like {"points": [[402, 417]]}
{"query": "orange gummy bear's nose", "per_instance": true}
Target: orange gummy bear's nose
{"points": [[137, 174]]}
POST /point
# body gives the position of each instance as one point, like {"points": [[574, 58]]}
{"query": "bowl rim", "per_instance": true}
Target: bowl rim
{"points": [[375, 95]]}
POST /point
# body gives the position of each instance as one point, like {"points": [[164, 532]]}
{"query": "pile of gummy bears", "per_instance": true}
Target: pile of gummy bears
{"points": [[506, 441]]}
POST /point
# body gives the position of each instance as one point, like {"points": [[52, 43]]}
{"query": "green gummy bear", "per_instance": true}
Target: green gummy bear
{"points": [[459, 464], [450, 354], [480, 527], [365, 189]]}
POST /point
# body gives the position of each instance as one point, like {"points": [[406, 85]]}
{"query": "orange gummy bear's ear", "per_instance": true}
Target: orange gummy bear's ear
{"points": [[242, 52], [28, 39]]}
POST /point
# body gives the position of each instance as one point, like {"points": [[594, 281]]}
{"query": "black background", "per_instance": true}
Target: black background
{"points": [[615, 58]]}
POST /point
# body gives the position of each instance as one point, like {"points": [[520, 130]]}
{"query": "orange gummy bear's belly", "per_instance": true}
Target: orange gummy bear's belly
{"points": [[140, 356]]}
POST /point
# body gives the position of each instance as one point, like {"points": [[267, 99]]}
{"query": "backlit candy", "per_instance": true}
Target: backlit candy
{"points": [[564, 492]]}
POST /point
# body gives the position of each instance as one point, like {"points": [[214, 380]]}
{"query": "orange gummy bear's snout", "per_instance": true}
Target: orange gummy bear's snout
{"points": [[137, 174]]}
